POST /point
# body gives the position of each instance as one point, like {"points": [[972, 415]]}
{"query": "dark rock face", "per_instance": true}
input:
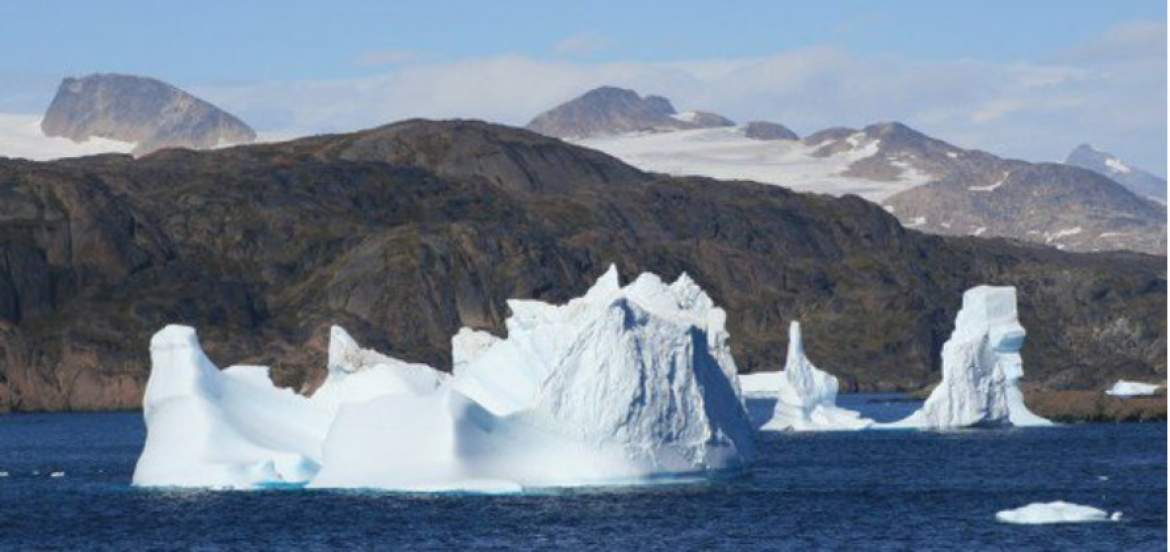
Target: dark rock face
{"points": [[1136, 180], [148, 112], [610, 110], [404, 233], [764, 130]]}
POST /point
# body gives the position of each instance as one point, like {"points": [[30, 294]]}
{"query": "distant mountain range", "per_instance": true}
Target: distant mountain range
{"points": [[147, 112], [928, 184], [1137, 180]]}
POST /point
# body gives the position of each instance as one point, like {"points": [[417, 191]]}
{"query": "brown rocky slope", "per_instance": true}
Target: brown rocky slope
{"points": [[404, 233]]}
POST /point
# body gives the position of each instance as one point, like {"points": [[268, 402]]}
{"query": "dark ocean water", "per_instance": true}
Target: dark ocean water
{"points": [[853, 491]]}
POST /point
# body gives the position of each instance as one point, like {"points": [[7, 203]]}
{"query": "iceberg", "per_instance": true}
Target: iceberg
{"points": [[230, 429], [760, 384], [1054, 512], [623, 385], [1125, 388], [807, 396], [981, 368]]}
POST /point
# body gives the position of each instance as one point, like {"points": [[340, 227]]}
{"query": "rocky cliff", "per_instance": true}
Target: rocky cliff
{"points": [[406, 232]]}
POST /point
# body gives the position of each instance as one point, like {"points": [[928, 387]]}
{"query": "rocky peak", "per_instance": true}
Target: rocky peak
{"points": [[147, 112], [1135, 179], [611, 110], [765, 130]]}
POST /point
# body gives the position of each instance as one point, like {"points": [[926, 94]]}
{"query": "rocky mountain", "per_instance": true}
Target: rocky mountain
{"points": [[1058, 205], [765, 130], [1138, 181], [610, 110], [407, 232], [927, 183], [147, 112]]}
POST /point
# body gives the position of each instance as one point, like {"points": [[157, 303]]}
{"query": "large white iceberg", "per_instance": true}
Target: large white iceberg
{"points": [[806, 398], [981, 368], [621, 385], [1055, 512], [1125, 388]]}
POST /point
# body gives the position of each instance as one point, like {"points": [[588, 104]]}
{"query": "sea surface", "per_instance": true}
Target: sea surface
{"points": [[876, 490]]}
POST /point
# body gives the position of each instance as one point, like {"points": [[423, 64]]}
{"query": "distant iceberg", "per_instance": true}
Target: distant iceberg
{"points": [[622, 385], [981, 368], [1055, 512], [1125, 388], [806, 397]]}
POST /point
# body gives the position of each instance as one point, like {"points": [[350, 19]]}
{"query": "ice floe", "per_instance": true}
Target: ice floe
{"points": [[1055, 512], [1125, 388]]}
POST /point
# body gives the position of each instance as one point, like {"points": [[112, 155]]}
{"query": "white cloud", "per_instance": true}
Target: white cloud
{"points": [[1034, 110], [581, 45]]}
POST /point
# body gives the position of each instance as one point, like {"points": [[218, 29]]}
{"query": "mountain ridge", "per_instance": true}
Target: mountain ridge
{"points": [[404, 233]]}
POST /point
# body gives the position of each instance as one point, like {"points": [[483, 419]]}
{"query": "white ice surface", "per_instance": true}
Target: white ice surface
{"points": [[1125, 388], [230, 428], [623, 385], [807, 396], [726, 153], [760, 384], [1054, 512], [981, 368]]}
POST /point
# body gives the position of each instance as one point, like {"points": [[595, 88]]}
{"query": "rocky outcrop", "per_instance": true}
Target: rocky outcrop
{"points": [[1057, 205], [1135, 179], [764, 130], [610, 110], [405, 233], [147, 112]]}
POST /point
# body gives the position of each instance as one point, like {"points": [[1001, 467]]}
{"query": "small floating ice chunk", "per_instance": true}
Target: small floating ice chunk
{"points": [[1055, 512], [57, 474], [3, 474], [807, 396], [1125, 388]]}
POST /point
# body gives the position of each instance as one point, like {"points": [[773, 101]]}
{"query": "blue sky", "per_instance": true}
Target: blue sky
{"points": [[305, 40], [985, 57]]}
